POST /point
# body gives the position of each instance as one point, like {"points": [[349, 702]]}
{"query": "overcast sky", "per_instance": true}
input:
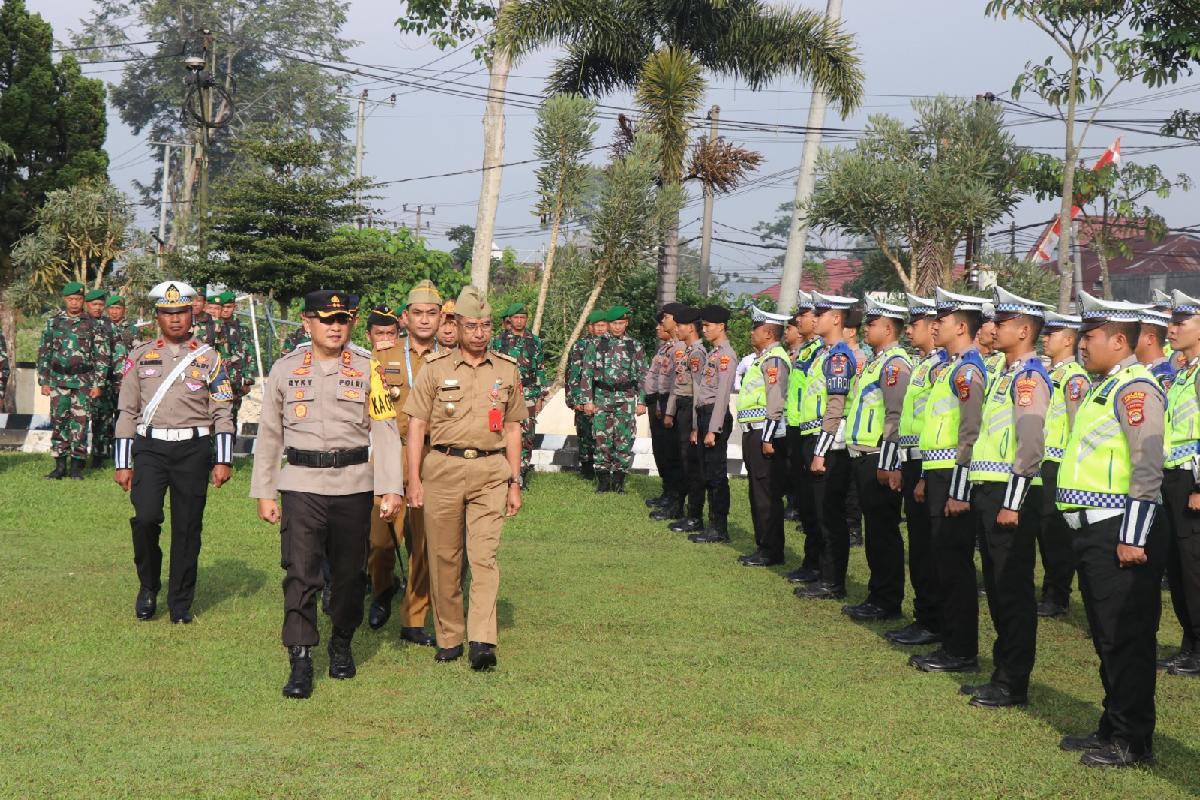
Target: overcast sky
{"points": [[916, 47]]}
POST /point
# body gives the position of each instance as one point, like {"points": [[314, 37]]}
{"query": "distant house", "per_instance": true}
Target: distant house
{"points": [[838, 271]]}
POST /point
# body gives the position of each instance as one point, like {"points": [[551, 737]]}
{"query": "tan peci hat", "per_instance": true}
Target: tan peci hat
{"points": [[424, 292], [471, 304]]}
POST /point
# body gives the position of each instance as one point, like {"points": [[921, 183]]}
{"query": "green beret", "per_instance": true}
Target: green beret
{"points": [[515, 308], [95, 294], [227, 296], [74, 287], [616, 312], [213, 297], [115, 300], [597, 316]]}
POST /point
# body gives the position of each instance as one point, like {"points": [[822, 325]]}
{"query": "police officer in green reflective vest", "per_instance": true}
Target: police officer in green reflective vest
{"points": [[1007, 496], [1108, 488], [759, 405], [1070, 382], [808, 345]]}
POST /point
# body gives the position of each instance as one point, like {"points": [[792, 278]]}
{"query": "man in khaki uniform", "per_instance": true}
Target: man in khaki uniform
{"points": [[175, 396], [401, 361], [323, 405], [470, 405]]}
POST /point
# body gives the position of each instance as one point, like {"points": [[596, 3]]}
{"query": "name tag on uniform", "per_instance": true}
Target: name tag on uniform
{"points": [[450, 382]]}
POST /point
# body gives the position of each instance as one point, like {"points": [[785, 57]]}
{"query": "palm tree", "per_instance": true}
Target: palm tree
{"points": [[661, 49]]}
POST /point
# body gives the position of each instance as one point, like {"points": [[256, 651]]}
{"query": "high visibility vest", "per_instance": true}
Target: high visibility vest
{"points": [[1058, 423], [1182, 423], [797, 377], [752, 396], [865, 410], [994, 450], [912, 414], [939, 436], [1096, 470], [815, 397]]}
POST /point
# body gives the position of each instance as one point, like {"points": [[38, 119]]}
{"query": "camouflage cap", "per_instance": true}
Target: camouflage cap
{"points": [[74, 287], [472, 304], [424, 292], [95, 294]]}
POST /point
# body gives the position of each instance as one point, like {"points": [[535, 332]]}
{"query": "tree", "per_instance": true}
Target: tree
{"points": [[566, 125], [1019, 276], [79, 232], [408, 260], [275, 229], [463, 237], [53, 126], [928, 186], [661, 52], [264, 56], [1133, 38]]}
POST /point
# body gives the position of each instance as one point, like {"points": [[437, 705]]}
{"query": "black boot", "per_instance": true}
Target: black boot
{"points": [[618, 483], [341, 659], [299, 685], [603, 482], [717, 532], [98, 460], [668, 511], [76, 473], [526, 477], [587, 470], [60, 469]]}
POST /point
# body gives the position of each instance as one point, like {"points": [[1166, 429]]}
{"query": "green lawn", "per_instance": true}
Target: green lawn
{"points": [[631, 663]]}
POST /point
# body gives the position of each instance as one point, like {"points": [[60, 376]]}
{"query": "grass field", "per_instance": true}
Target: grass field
{"points": [[631, 663]]}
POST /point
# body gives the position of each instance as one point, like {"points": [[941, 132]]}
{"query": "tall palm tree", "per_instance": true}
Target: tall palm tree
{"points": [[661, 49]]}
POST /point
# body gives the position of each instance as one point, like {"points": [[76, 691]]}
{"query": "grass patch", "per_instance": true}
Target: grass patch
{"points": [[631, 663]]}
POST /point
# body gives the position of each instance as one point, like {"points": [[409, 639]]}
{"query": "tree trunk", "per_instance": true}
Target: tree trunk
{"points": [[593, 296], [493, 157], [928, 267], [546, 269], [182, 212], [668, 264], [8, 324], [1066, 274]]}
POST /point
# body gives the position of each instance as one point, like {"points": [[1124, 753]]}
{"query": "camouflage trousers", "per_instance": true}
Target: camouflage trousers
{"points": [[613, 427], [70, 420], [583, 433], [104, 421], [527, 441]]}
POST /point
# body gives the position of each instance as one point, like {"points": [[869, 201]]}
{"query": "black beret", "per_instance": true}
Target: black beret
{"points": [[382, 315], [714, 314], [673, 309], [854, 317], [685, 314]]}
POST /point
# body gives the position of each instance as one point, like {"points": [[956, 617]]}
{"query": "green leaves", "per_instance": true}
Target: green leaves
{"points": [[669, 91], [566, 125]]}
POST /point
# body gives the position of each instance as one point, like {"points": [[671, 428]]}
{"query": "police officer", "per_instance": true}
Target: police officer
{"points": [[322, 405], [596, 326], [1164, 303], [926, 625], [677, 416], [1151, 343], [657, 386], [470, 405], [952, 418], [1108, 489], [872, 432], [612, 395], [1070, 382], [173, 407], [1181, 485], [808, 346], [712, 422], [822, 412], [1007, 497], [760, 404], [985, 341]]}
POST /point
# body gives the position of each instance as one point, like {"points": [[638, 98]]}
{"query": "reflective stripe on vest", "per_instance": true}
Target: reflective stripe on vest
{"points": [[996, 448], [865, 410], [797, 377], [1181, 433], [812, 399], [912, 414], [752, 397], [939, 436]]}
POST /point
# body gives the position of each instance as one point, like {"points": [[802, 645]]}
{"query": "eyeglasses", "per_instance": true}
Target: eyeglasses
{"points": [[476, 327], [336, 319]]}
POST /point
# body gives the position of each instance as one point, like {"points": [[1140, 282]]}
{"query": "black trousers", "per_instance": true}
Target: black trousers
{"points": [[689, 455], [953, 541], [1054, 542], [854, 508], [316, 527], [1183, 554], [829, 491], [927, 604], [183, 468], [664, 445], [799, 456], [1008, 561], [883, 544], [1124, 606], [767, 485], [714, 463]]}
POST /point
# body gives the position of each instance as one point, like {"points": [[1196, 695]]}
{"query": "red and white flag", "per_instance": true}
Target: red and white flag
{"points": [[1050, 240]]}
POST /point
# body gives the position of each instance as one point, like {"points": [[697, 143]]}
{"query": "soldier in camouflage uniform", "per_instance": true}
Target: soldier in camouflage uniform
{"points": [[127, 331], [596, 326], [241, 360], [104, 407], [73, 363], [516, 342], [5, 369], [292, 341], [612, 394]]}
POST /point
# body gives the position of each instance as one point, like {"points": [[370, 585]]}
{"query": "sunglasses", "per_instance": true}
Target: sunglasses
{"points": [[334, 319]]}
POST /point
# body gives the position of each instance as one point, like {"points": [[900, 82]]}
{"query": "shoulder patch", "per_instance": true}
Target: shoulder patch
{"points": [[1076, 388], [1135, 407], [962, 382], [505, 356], [431, 357], [1025, 387]]}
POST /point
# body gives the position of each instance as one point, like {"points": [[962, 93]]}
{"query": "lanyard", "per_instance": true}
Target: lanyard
{"points": [[408, 356]]}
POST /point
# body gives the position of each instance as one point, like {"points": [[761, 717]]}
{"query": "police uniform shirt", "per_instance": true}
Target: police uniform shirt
{"points": [[775, 380], [322, 405], [715, 385], [686, 370], [454, 398], [841, 365], [1075, 390], [1142, 417], [199, 397], [893, 383], [1031, 400], [658, 377]]}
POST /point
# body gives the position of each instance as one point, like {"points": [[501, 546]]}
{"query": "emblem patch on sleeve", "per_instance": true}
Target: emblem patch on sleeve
{"points": [[772, 374], [892, 374], [725, 362], [1135, 407], [962, 383], [838, 364], [1025, 387], [1076, 388]]}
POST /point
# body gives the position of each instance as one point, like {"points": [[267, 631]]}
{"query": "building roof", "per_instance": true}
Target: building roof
{"points": [[1177, 252]]}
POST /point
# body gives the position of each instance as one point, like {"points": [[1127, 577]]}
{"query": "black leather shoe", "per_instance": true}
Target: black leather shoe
{"points": [[182, 618], [381, 609], [417, 636], [587, 471], [146, 604], [686, 525], [667, 513], [341, 657], [1049, 609], [76, 473], [445, 655], [744, 557], [300, 682], [656, 502], [972, 689], [711, 535], [1186, 667], [1170, 661], [995, 696], [60, 469], [482, 656], [821, 591], [912, 635], [869, 612], [1115, 754], [1081, 744], [760, 560], [941, 661], [803, 575]]}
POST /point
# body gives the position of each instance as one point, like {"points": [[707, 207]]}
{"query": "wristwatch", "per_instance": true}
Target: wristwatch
{"points": [[514, 481]]}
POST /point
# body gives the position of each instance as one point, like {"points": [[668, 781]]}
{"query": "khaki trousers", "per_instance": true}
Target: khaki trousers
{"points": [[381, 560], [472, 494]]}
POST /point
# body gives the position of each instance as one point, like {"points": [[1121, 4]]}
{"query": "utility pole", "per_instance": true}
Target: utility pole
{"points": [[1012, 240], [419, 211], [793, 260], [706, 231], [1078, 259], [363, 102], [164, 193]]}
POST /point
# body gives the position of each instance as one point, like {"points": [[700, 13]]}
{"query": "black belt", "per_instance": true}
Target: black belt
{"points": [[683, 400], [705, 409], [615, 387], [465, 452], [326, 459]]}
